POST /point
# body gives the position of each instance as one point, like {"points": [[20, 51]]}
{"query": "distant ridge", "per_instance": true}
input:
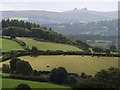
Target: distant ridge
{"points": [[71, 16]]}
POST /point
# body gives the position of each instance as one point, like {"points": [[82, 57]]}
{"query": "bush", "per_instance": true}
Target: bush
{"points": [[23, 87], [92, 84], [23, 67], [6, 68], [83, 75], [72, 79], [12, 36], [13, 63]]}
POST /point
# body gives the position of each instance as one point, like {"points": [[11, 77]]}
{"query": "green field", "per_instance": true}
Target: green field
{"points": [[74, 64], [8, 45], [48, 46], [12, 83]]}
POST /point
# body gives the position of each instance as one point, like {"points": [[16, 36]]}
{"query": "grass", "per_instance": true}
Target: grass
{"points": [[12, 83], [8, 45], [48, 45], [74, 64], [5, 74]]}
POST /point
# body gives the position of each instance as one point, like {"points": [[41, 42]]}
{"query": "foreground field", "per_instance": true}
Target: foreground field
{"points": [[12, 83], [8, 45], [74, 64], [48, 46]]}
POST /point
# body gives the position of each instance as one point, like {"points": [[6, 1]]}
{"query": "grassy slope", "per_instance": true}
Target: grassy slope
{"points": [[12, 83], [75, 64], [8, 45], [48, 45]]}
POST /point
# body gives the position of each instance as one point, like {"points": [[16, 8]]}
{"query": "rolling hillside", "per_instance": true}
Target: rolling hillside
{"points": [[48, 45], [27, 29]]}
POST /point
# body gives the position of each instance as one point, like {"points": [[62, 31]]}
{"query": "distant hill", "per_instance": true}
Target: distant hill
{"points": [[72, 22], [71, 16], [104, 28]]}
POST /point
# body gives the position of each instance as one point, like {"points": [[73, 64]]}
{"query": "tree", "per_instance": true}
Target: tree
{"points": [[34, 50], [12, 36], [83, 75], [5, 68], [13, 64], [72, 79], [107, 51], [23, 87], [112, 76], [97, 49], [23, 67], [58, 75], [113, 48], [92, 84]]}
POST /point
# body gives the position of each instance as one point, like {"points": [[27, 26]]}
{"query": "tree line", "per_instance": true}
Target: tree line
{"points": [[27, 29]]}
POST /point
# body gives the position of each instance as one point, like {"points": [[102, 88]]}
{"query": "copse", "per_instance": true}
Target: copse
{"points": [[58, 75], [23, 67], [20, 67], [72, 79], [13, 64], [107, 79]]}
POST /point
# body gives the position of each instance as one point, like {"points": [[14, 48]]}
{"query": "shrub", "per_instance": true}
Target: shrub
{"points": [[6, 68], [23, 67], [23, 87], [12, 36], [13, 63], [72, 79]]}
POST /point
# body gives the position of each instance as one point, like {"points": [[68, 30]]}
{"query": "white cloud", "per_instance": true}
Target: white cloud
{"points": [[60, 1], [59, 6]]}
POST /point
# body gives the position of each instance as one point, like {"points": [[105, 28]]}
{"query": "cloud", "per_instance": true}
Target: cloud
{"points": [[59, 6], [60, 0]]}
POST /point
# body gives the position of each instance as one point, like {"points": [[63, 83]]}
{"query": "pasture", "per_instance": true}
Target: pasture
{"points": [[8, 45], [12, 83], [73, 64], [48, 45]]}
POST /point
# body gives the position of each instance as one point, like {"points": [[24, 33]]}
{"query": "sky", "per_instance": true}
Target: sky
{"points": [[59, 5]]}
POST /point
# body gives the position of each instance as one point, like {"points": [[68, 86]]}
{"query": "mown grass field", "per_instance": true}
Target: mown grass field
{"points": [[74, 64], [8, 45], [48, 45], [12, 83]]}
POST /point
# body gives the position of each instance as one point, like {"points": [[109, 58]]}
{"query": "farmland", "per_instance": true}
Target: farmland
{"points": [[8, 45], [48, 45], [74, 64], [6, 83]]}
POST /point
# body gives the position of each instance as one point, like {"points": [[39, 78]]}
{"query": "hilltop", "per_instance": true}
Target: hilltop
{"points": [[39, 33]]}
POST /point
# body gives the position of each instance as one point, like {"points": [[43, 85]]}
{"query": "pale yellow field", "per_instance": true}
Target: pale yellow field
{"points": [[74, 64]]}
